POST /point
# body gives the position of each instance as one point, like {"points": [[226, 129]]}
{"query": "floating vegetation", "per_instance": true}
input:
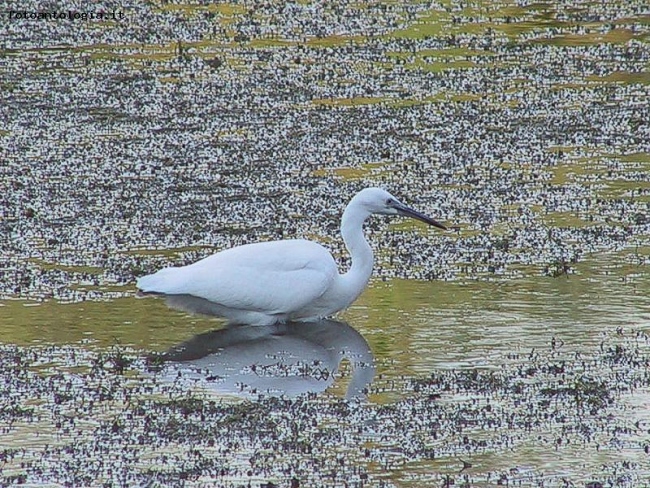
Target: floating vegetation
{"points": [[455, 425], [153, 138], [153, 124]]}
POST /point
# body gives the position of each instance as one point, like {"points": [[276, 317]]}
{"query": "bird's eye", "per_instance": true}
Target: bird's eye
{"points": [[390, 201]]}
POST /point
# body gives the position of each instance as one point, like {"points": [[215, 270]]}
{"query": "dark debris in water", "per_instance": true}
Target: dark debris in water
{"points": [[81, 421], [201, 128], [157, 139]]}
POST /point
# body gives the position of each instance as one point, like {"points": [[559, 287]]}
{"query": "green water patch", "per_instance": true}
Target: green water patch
{"points": [[642, 158], [190, 9], [167, 252], [355, 173], [437, 60], [599, 166], [415, 327], [567, 219], [145, 323], [590, 35], [349, 102], [92, 270], [626, 77], [505, 18]]}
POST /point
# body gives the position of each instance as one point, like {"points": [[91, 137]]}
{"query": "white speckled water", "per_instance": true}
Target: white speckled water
{"points": [[515, 346]]}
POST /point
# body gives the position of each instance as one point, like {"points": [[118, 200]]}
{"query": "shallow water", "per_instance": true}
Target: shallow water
{"points": [[412, 327], [181, 130]]}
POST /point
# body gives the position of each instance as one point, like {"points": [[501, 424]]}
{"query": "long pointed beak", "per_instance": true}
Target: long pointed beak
{"points": [[409, 212]]}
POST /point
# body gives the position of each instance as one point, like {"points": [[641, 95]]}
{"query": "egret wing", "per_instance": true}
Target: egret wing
{"points": [[271, 277]]}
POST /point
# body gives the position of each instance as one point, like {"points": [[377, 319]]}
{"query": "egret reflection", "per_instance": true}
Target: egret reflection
{"points": [[277, 360]]}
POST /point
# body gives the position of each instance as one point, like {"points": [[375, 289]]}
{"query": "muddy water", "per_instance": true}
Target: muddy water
{"points": [[415, 325], [181, 130], [415, 329]]}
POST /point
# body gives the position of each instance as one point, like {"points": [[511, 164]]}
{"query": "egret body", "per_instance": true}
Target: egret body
{"points": [[280, 281]]}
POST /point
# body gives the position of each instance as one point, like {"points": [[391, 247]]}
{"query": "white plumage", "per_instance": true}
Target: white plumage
{"points": [[279, 281]]}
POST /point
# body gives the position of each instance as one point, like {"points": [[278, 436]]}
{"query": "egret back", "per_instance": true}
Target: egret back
{"points": [[278, 277]]}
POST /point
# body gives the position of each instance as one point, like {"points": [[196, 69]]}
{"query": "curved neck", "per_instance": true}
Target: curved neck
{"points": [[356, 279]]}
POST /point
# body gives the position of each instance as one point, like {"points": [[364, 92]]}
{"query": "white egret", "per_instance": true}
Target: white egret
{"points": [[280, 281]]}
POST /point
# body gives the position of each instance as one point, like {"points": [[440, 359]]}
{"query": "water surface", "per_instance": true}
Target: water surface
{"points": [[517, 342]]}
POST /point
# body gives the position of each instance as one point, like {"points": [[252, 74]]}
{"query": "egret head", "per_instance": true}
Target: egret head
{"points": [[379, 201]]}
